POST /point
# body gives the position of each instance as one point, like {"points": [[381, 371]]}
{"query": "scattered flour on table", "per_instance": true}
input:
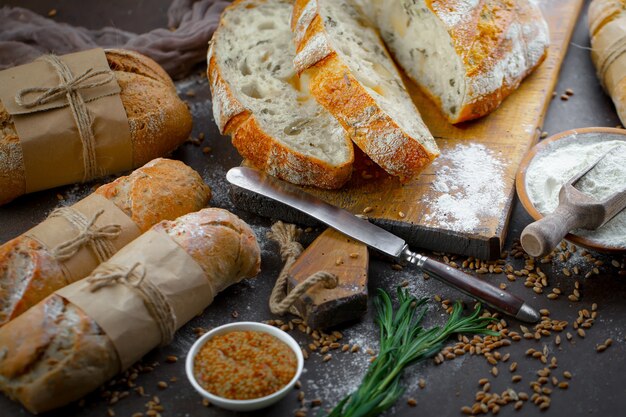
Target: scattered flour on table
{"points": [[202, 110], [74, 193], [470, 185], [344, 373], [561, 160]]}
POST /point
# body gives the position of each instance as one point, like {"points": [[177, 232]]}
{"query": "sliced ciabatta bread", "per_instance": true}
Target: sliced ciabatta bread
{"points": [[466, 55], [352, 75], [261, 102]]}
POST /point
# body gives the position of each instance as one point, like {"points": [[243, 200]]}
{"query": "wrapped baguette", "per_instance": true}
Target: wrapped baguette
{"points": [[607, 28], [58, 351], [158, 121], [30, 265]]}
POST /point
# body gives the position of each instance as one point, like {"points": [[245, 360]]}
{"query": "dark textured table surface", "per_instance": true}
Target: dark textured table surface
{"points": [[598, 385]]}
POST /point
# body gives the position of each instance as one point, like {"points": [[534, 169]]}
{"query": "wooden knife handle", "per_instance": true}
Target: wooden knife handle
{"points": [[474, 287]]}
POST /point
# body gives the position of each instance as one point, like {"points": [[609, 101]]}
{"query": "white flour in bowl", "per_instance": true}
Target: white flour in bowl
{"points": [[561, 160]]}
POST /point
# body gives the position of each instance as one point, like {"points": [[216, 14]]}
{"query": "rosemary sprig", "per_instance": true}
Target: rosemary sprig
{"points": [[403, 341]]}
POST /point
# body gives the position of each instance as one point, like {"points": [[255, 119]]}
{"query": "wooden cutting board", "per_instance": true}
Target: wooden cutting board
{"points": [[462, 202]]}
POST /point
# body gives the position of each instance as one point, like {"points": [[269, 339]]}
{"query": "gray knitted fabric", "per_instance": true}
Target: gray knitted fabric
{"points": [[25, 35]]}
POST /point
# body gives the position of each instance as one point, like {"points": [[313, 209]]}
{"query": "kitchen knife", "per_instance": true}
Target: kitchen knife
{"points": [[379, 239]]}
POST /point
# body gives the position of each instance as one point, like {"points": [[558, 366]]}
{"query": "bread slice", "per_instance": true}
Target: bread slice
{"points": [[259, 100], [352, 75], [467, 56]]}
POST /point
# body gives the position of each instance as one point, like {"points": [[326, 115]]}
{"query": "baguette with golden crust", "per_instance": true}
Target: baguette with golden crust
{"points": [[55, 353], [163, 189], [607, 28], [158, 119]]}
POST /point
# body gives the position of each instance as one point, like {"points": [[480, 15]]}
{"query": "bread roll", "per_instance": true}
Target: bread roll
{"points": [[54, 353], [467, 56], [162, 189], [355, 79], [158, 120], [607, 28]]}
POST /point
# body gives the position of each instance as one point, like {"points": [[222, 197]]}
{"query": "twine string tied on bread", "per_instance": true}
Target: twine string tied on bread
{"points": [[65, 88], [281, 302], [70, 87], [98, 238], [610, 55], [154, 300]]}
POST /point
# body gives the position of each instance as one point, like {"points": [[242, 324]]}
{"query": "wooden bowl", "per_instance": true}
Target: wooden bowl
{"points": [[520, 178]]}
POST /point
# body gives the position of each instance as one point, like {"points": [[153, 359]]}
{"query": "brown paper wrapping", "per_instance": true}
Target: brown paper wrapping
{"points": [[51, 145], [120, 311], [56, 230], [609, 56]]}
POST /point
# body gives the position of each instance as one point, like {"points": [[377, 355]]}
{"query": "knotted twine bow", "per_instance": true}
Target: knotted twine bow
{"points": [[281, 301], [99, 239], [70, 87], [154, 300]]}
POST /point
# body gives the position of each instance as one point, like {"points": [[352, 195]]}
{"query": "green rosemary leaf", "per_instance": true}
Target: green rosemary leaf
{"points": [[403, 341]]}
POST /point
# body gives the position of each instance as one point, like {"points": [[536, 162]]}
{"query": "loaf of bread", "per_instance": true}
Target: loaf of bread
{"points": [[467, 56], [158, 120], [55, 353], [607, 29], [163, 189], [259, 100], [354, 78]]}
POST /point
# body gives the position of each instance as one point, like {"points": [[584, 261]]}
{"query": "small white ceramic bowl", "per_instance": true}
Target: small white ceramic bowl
{"points": [[244, 405]]}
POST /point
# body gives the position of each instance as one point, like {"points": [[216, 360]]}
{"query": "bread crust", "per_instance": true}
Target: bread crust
{"points": [[334, 86], [603, 13], [261, 148], [161, 190], [55, 354], [158, 119], [81, 356], [480, 38]]}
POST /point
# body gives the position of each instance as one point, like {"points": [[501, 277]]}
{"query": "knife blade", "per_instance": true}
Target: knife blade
{"points": [[379, 239]]}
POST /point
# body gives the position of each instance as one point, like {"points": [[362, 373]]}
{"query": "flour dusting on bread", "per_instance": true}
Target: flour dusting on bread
{"points": [[466, 55], [354, 78]]}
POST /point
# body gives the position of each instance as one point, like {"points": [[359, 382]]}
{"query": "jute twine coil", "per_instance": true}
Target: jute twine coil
{"points": [[99, 239], [134, 277], [70, 87], [281, 302]]}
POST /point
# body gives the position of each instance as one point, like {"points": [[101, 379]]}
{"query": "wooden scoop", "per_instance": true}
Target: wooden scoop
{"points": [[575, 210]]}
